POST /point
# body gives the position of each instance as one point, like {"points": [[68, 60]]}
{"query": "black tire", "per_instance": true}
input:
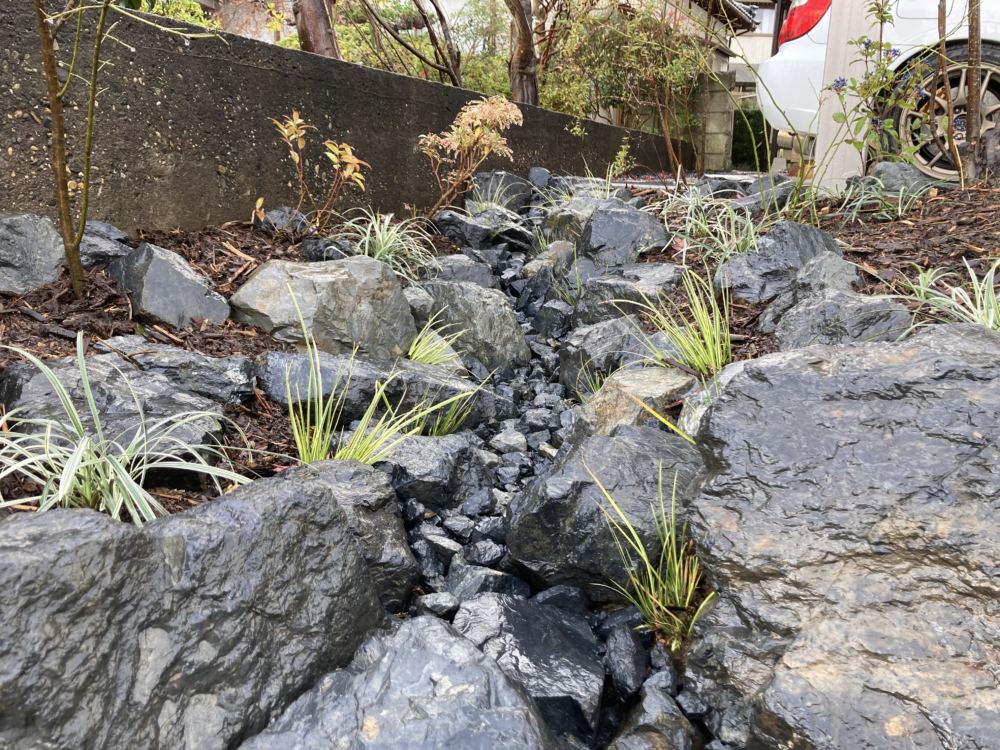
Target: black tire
{"points": [[934, 159]]}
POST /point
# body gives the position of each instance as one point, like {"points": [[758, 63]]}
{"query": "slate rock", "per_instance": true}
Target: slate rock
{"points": [[769, 193], [856, 574], [441, 604], [615, 403], [606, 297], [412, 383], [553, 318], [656, 722], [485, 552], [421, 687], [489, 326], [571, 598], [164, 288], [372, 511], [589, 187], [228, 380], [466, 581], [899, 177], [461, 267], [282, 220], [617, 236], [196, 628], [836, 317], [565, 219], [551, 653], [101, 244], [510, 190], [600, 347], [626, 660], [421, 303], [437, 471], [539, 177], [124, 395], [556, 528], [485, 229], [824, 272], [762, 273], [31, 252], [317, 249]]}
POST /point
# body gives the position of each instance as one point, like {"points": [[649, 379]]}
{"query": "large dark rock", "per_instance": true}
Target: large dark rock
{"points": [[124, 396], [413, 382], [626, 660], [502, 188], [824, 273], [895, 177], [764, 272], [461, 267], [836, 317], [557, 528], [565, 219], [102, 243], [617, 236], [466, 581], [549, 652], [31, 253], [600, 347], [485, 229], [189, 632], [438, 471], [490, 331], [224, 379], [656, 722], [423, 687], [846, 526], [164, 288], [606, 297], [372, 511]]}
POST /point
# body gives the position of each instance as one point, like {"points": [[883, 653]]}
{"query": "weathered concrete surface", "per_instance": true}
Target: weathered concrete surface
{"points": [[200, 147]]}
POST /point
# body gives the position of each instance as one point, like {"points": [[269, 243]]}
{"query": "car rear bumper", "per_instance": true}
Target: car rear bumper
{"points": [[790, 82]]}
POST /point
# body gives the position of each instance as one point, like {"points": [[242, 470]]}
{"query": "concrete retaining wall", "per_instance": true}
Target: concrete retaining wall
{"points": [[185, 138]]}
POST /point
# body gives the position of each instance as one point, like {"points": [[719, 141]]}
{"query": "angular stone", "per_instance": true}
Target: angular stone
{"points": [[372, 510], [553, 318], [282, 220], [101, 244], [617, 236], [565, 219], [656, 722], [589, 187], [440, 605], [898, 177], [228, 380], [615, 403], [626, 660], [124, 394], [485, 229], [317, 250], [466, 581], [163, 287], [31, 253], [421, 303], [412, 383], [489, 326], [486, 552], [423, 687], [557, 529], [824, 272], [597, 348], [439, 472], [606, 297], [507, 190], [196, 627], [836, 317], [850, 547], [761, 274], [570, 598], [509, 440], [551, 653], [461, 267]]}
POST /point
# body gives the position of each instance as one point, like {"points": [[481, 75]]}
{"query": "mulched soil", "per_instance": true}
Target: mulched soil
{"points": [[942, 231]]}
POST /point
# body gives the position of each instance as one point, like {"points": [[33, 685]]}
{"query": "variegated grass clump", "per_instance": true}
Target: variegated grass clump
{"points": [[77, 467]]}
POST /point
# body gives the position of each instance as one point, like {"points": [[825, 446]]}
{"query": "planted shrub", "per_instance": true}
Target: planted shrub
{"points": [[348, 170], [974, 302], [475, 135], [79, 468], [404, 245], [435, 346]]}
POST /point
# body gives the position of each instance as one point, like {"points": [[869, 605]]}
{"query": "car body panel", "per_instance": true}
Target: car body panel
{"points": [[790, 82]]}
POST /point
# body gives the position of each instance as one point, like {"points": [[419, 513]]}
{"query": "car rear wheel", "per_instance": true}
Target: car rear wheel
{"points": [[921, 130]]}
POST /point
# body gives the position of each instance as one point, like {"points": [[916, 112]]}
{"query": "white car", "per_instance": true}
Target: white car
{"points": [[790, 82]]}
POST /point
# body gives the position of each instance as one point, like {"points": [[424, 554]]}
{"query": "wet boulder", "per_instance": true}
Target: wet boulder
{"points": [[656, 722], [422, 687], [551, 653], [617, 236], [617, 294], [438, 471], [557, 528], [196, 628], [502, 188], [600, 347], [851, 546], [836, 317]]}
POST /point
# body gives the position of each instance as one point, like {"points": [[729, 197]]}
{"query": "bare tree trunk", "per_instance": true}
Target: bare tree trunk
{"points": [[523, 76], [944, 84], [974, 94], [59, 166], [447, 60], [316, 33]]}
